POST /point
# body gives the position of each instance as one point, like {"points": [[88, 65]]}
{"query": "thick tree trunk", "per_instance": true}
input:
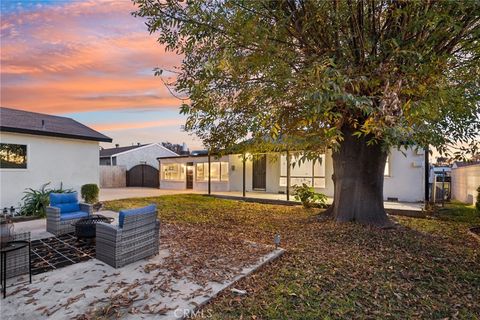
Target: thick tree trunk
{"points": [[359, 172]]}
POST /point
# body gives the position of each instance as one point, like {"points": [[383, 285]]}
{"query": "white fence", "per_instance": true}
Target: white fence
{"points": [[113, 176], [465, 181]]}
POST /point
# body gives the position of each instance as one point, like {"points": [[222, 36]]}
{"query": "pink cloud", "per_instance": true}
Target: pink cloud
{"points": [[81, 56], [137, 125]]}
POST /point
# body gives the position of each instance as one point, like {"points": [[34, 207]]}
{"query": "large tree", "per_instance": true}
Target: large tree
{"points": [[358, 76]]}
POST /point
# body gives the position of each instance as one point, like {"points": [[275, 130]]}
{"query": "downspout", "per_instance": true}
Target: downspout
{"points": [[288, 176], [427, 176], [244, 171], [209, 175]]}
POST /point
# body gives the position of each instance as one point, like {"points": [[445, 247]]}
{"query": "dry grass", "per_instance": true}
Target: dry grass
{"points": [[426, 268]]}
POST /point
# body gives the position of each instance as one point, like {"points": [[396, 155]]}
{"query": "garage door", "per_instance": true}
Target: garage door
{"points": [[142, 175]]}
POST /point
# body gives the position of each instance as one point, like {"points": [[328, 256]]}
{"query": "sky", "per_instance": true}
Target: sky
{"points": [[90, 60]]}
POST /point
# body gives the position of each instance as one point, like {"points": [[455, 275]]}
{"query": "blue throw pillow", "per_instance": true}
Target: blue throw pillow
{"points": [[58, 198], [70, 197], [131, 212], [68, 207]]}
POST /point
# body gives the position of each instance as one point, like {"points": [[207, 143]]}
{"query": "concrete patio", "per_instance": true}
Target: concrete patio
{"points": [[147, 289]]}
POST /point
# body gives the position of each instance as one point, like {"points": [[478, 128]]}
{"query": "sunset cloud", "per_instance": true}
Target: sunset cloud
{"points": [[81, 56], [92, 61], [106, 127]]}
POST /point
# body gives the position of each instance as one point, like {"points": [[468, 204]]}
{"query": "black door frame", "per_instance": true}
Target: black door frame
{"points": [[256, 179]]}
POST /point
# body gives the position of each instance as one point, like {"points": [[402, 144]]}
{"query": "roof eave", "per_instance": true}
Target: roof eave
{"points": [[54, 134]]}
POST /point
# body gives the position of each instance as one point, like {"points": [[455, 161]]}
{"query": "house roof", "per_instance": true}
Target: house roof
{"points": [[20, 121], [107, 153], [459, 164]]}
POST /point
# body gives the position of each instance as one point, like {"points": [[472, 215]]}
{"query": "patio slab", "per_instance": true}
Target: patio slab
{"points": [[143, 290]]}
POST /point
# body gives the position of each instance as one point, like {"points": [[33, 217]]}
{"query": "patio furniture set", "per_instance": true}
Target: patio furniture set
{"points": [[134, 238]]}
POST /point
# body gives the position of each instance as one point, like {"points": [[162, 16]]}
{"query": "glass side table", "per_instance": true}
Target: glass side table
{"points": [[12, 246]]}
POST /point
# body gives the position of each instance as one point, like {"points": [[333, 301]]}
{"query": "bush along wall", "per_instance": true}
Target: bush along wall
{"points": [[90, 192]]}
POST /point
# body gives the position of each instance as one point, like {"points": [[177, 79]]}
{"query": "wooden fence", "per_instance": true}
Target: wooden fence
{"points": [[465, 181], [113, 176]]}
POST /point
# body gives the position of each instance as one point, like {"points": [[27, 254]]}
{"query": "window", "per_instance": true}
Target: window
{"points": [[173, 171], [13, 156], [218, 171], [224, 171], [308, 172], [200, 172]]}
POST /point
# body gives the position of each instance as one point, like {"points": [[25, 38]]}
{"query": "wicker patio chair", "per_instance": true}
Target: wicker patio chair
{"points": [[136, 237], [17, 261], [64, 210]]}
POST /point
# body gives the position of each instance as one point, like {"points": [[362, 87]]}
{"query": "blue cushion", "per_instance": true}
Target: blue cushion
{"points": [[68, 207], [59, 198], [131, 212], [73, 215]]}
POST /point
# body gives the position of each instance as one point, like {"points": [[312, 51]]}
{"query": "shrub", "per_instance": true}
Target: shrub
{"points": [[477, 204], [308, 197], [90, 192], [35, 202]]}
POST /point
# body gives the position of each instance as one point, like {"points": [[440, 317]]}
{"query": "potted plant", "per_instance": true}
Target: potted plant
{"points": [[6, 228]]}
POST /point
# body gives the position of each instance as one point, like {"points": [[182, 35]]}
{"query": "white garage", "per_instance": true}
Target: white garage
{"points": [[38, 148]]}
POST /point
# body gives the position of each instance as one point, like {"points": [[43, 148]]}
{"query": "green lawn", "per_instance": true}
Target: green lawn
{"points": [[425, 268]]}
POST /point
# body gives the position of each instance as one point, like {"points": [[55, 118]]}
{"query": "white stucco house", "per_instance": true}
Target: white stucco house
{"points": [[132, 156], [38, 148], [404, 174]]}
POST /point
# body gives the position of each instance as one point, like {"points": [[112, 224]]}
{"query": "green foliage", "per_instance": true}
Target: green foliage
{"points": [[308, 197], [397, 72], [477, 204], [90, 192], [35, 202]]}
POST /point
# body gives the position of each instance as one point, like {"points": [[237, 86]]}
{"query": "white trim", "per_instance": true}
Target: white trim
{"points": [[142, 147]]}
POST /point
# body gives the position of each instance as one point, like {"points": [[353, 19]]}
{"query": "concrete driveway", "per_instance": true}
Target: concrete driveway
{"points": [[107, 194]]}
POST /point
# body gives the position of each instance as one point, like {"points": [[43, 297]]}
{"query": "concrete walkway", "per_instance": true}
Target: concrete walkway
{"points": [[148, 289], [107, 194], [83, 287]]}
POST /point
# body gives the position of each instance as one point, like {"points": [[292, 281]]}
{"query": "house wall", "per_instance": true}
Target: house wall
{"points": [[217, 186], [465, 181], [105, 161], [405, 179], [49, 159], [147, 154]]}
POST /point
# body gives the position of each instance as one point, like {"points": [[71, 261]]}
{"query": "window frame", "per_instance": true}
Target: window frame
{"points": [[181, 172], [27, 155], [311, 177], [206, 173]]}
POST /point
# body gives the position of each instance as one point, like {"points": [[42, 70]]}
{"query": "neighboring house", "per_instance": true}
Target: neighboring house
{"points": [[404, 174], [38, 148], [132, 156], [465, 181]]}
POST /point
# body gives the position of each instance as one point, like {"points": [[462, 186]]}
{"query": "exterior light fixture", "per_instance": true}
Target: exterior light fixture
{"points": [[277, 241]]}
